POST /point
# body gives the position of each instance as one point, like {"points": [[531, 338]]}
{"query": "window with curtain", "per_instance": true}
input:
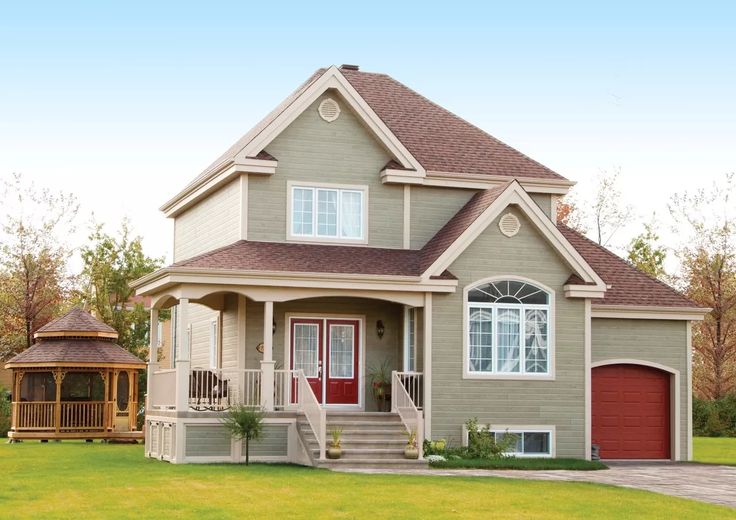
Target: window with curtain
{"points": [[508, 328], [331, 213]]}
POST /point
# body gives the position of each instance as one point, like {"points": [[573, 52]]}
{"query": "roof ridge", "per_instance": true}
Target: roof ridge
{"points": [[628, 263]]}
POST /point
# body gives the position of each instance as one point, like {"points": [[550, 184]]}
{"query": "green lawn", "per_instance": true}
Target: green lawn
{"points": [[77, 480], [715, 450]]}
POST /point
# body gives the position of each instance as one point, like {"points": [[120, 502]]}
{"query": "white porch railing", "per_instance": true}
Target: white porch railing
{"points": [[403, 404], [413, 382], [285, 383], [312, 409], [163, 389], [215, 389]]}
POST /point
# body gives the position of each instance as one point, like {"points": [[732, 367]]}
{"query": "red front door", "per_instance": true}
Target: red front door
{"points": [[306, 351], [341, 371], [328, 350]]}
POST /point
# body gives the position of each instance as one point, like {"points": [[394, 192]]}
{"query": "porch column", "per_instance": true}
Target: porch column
{"points": [[183, 363], [427, 405], [153, 364], [58, 378], [267, 363]]}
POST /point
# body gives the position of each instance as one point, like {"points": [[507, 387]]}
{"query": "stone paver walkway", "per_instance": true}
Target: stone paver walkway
{"points": [[708, 483]]}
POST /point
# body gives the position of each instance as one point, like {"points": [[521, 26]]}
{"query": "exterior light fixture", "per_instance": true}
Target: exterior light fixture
{"points": [[380, 329]]}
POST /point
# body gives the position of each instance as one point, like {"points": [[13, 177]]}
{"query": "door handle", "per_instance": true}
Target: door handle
{"points": [[319, 370]]}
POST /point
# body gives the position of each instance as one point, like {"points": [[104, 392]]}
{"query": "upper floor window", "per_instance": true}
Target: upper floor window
{"points": [[327, 213], [508, 329]]}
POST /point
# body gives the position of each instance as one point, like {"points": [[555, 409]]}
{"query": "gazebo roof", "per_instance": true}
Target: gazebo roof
{"points": [[75, 339], [76, 323]]}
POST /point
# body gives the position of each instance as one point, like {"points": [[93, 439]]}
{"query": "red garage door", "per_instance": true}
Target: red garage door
{"points": [[631, 412]]}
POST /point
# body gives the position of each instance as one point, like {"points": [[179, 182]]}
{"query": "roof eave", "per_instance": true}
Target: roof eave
{"points": [[602, 310]]}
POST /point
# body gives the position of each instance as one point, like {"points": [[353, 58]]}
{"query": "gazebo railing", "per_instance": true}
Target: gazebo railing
{"points": [[34, 415], [82, 415]]}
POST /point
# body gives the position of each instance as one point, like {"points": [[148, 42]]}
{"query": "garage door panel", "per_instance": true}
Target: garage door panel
{"points": [[631, 412]]}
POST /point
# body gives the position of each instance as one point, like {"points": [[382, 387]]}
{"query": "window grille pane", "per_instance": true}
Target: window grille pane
{"points": [[536, 341], [508, 340], [306, 348], [536, 443], [481, 340], [341, 351], [351, 216], [327, 213], [302, 211]]}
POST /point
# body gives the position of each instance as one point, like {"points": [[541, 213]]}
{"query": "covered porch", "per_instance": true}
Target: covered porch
{"points": [[294, 352]]}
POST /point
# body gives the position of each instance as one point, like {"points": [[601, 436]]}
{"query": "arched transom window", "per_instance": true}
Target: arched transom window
{"points": [[508, 328]]}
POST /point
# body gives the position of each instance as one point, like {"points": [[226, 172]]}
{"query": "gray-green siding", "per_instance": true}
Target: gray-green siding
{"points": [[274, 442], [207, 441], [313, 150], [657, 341], [523, 402], [431, 208]]}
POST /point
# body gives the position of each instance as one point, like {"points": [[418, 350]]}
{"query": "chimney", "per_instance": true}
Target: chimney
{"points": [[345, 66]]}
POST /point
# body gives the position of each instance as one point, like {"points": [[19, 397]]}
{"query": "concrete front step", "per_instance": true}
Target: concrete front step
{"points": [[348, 464], [368, 453]]}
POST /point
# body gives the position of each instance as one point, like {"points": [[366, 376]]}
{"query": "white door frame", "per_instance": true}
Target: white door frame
{"points": [[360, 318]]}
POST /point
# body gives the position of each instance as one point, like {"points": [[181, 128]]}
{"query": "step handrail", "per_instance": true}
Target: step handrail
{"points": [[411, 416], [312, 410]]}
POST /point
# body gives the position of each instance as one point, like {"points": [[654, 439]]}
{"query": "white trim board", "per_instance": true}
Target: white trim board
{"points": [[645, 312]]}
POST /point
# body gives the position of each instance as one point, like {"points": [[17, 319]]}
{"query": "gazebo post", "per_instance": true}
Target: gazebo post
{"points": [[106, 399], [58, 378]]}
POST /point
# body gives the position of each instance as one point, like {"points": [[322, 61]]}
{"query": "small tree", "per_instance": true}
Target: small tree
{"points": [[244, 423], [608, 213], [647, 254]]}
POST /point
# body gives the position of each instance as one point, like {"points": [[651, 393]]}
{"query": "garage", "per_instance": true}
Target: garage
{"points": [[631, 412]]}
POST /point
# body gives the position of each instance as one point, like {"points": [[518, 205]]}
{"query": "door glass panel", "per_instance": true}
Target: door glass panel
{"points": [[341, 351], [306, 348], [123, 386]]}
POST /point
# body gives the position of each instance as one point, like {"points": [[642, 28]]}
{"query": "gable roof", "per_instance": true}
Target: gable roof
{"points": [[76, 322], [422, 136], [627, 285]]}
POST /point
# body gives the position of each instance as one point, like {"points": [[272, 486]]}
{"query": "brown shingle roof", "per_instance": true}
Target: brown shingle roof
{"points": [[437, 138], [72, 351], [629, 286], [77, 320]]}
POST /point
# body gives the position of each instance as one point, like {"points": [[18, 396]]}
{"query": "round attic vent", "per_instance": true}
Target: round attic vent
{"points": [[329, 110], [509, 224]]}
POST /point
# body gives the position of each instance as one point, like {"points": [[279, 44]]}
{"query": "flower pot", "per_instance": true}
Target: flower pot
{"points": [[411, 452], [334, 453]]}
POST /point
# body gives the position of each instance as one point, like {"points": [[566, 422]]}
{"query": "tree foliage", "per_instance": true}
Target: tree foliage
{"points": [[647, 254], [708, 276], [570, 213], [34, 280], [608, 213], [111, 263], [244, 423]]}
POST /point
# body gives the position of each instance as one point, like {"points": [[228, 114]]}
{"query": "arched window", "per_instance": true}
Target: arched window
{"points": [[508, 328]]}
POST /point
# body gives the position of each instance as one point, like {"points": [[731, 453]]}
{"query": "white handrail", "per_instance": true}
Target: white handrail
{"points": [[284, 381], [414, 384], [313, 411], [403, 404]]}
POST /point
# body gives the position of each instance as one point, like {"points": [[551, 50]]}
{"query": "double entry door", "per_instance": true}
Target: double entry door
{"points": [[328, 351]]}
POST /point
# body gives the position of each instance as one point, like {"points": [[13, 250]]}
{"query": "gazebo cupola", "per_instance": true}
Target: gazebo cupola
{"points": [[75, 382]]}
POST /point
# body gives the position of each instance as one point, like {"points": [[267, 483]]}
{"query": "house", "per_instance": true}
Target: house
{"points": [[74, 382], [361, 225]]}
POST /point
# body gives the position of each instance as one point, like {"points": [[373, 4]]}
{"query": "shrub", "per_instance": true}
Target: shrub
{"points": [[244, 423], [714, 418], [4, 412], [482, 443]]}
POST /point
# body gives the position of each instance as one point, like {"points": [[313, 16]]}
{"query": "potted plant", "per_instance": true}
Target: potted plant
{"points": [[380, 378], [335, 451], [411, 451]]}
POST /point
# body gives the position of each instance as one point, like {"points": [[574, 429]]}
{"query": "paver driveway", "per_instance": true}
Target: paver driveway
{"points": [[709, 483]]}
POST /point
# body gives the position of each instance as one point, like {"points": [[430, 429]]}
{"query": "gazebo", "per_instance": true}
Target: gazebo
{"points": [[75, 383]]}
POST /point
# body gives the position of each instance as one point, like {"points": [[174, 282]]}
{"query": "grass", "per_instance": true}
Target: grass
{"points": [[522, 463], [715, 450], [114, 481]]}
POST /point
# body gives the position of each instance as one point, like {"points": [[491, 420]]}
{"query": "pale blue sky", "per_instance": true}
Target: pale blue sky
{"points": [[123, 104]]}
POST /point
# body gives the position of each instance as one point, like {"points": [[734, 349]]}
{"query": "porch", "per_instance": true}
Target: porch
{"points": [[299, 360]]}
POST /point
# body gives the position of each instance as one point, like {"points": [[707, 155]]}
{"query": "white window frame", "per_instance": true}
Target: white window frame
{"points": [[522, 374], [214, 335], [315, 236], [410, 339], [518, 430]]}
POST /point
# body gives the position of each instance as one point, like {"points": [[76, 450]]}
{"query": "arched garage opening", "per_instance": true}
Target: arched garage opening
{"points": [[633, 410]]}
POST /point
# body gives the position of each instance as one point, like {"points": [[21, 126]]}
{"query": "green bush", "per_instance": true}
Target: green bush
{"points": [[714, 418], [482, 444], [4, 412]]}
